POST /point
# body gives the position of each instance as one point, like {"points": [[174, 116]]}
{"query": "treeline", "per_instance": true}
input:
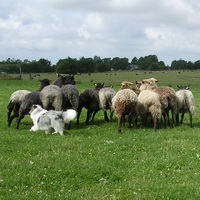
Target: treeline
{"points": [[96, 64]]}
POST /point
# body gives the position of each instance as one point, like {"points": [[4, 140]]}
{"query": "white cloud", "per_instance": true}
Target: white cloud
{"points": [[56, 29]]}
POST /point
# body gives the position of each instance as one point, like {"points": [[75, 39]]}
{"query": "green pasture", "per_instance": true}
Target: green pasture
{"points": [[94, 162]]}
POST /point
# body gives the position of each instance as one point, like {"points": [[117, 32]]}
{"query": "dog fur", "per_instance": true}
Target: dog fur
{"points": [[45, 120]]}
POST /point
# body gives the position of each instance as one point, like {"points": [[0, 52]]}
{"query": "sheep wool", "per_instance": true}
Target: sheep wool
{"points": [[149, 102], [186, 104], [125, 103], [106, 95]]}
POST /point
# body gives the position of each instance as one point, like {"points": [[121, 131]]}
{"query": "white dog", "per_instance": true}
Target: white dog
{"points": [[45, 120]]}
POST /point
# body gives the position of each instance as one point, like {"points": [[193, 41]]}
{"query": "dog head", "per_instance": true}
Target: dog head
{"points": [[34, 107]]}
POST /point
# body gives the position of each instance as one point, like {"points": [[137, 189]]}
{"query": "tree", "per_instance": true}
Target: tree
{"points": [[102, 67], [67, 66], [134, 61], [145, 62], [86, 65], [179, 64], [119, 63]]}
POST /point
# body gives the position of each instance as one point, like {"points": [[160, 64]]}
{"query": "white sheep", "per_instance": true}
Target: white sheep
{"points": [[15, 101], [168, 99], [125, 103], [186, 103], [149, 103], [106, 95]]}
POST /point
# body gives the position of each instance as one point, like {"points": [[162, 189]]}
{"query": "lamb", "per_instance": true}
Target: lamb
{"points": [[149, 102], [125, 103], [30, 99], [105, 101], [15, 101], [186, 103], [51, 95], [168, 99], [89, 99]]}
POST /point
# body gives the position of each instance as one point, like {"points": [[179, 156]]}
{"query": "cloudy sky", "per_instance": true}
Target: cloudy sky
{"points": [[56, 29]]}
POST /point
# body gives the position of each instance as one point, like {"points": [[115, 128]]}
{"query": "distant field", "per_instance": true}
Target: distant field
{"points": [[94, 161]]}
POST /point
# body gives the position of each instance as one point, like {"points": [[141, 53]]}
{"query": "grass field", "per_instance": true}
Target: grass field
{"points": [[94, 162]]}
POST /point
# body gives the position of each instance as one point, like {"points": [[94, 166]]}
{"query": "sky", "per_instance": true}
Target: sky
{"points": [[57, 29]]}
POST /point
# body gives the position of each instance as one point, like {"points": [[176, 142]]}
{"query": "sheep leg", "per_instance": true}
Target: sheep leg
{"points": [[167, 114], [190, 120], [9, 113], [155, 123], [182, 116], [111, 115], [120, 121], [131, 120], [177, 119], [10, 109], [88, 116], [173, 118], [106, 116], [19, 120], [15, 114], [94, 113], [78, 115], [144, 120], [69, 126], [134, 121], [165, 120], [11, 118]]}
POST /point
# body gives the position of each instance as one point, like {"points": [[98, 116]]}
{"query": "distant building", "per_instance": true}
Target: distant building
{"points": [[132, 67]]}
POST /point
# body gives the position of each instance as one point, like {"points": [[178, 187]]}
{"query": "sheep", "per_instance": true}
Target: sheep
{"points": [[30, 99], [125, 103], [89, 99], [168, 99], [51, 95], [70, 98], [15, 101], [186, 103], [149, 102], [105, 101]]}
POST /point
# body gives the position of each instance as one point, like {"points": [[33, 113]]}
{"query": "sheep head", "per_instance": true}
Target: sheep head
{"points": [[126, 85], [183, 87]]}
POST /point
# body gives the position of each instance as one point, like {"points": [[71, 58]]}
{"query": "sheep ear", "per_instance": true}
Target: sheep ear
{"points": [[187, 88], [131, 83], [95, 84]]}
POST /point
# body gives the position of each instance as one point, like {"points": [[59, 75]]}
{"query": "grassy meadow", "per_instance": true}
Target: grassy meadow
{"points": [[94, 162]]}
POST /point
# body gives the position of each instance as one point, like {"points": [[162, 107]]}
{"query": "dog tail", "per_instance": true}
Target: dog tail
{"points": [[69, 115]]}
